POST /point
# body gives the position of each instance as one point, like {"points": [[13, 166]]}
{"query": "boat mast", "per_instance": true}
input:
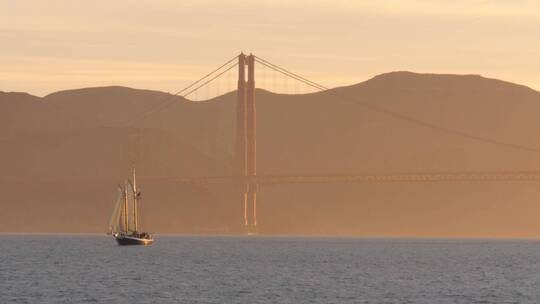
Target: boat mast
{"points": [[135, 215], [126, 221]]}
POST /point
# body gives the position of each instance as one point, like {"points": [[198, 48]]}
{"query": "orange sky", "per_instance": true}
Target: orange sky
{"points": [[164, 44]]}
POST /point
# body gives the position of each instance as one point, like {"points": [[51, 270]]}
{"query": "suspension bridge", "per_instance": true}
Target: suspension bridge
{"points": [[245, 177]]}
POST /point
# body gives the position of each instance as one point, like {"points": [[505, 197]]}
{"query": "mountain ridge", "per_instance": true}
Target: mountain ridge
{"points": [[394, 75], [72, 146]]}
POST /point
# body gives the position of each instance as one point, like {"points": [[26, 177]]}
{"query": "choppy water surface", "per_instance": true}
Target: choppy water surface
{"points": [[79, 269]]}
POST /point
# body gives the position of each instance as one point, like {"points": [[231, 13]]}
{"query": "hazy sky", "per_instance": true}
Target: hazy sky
{"points": [[160, 44]]}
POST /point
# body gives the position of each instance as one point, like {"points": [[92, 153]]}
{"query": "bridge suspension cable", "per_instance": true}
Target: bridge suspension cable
{"points": [[207, 76], [290, 74], [231, 63], [186, 91], [210, 80], [395, 115]]}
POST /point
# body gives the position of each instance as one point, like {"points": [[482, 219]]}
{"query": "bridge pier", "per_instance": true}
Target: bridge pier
{"points": [[246, 141], [250, 209]]}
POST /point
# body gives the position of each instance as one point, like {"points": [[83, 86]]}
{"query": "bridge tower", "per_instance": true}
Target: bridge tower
{"points": [[246, 140]]}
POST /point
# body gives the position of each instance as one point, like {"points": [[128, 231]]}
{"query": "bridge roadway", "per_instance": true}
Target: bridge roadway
{"points": [[493, 176]]}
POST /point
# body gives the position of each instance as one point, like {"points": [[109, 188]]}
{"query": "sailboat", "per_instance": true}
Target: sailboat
{"points": [[124, 220]]}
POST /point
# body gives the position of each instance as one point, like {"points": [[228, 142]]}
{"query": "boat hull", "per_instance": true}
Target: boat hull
{"points": [[124, 240]]}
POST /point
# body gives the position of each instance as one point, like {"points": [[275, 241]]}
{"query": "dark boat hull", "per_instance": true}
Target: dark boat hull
{"points": [[123, 240]]}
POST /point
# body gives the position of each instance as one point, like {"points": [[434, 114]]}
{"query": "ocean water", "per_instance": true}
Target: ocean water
{"points": [[206, 269]]}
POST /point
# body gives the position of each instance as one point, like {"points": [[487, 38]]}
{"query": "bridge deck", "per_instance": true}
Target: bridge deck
{"points": [[520, 176]]}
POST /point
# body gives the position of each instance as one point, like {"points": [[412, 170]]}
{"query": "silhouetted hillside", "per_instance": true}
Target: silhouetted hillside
{"points": [[62, 155]]}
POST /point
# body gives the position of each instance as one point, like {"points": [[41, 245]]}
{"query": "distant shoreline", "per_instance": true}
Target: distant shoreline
{"points": [[291, 236]]}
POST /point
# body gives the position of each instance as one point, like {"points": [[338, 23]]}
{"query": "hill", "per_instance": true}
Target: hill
{"points": [[62, 155]]}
